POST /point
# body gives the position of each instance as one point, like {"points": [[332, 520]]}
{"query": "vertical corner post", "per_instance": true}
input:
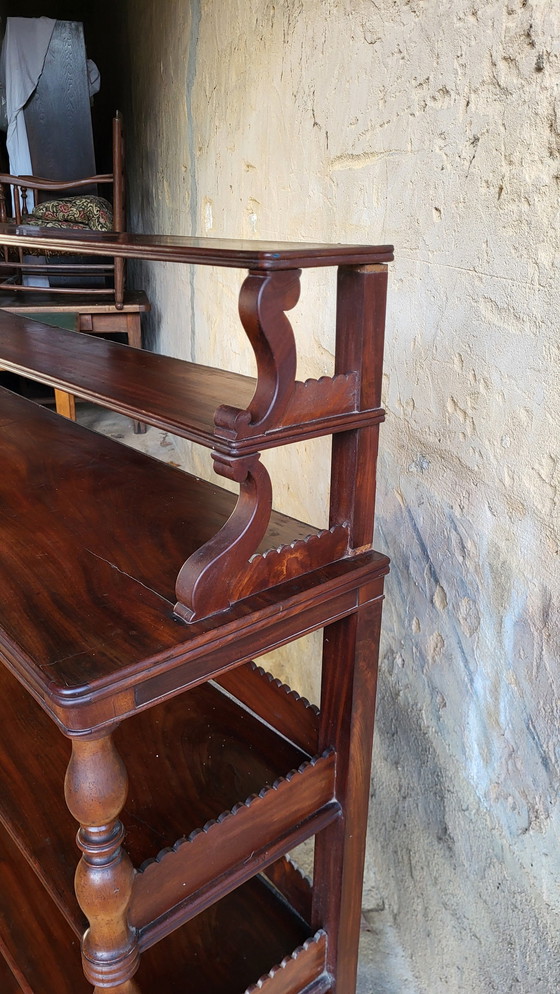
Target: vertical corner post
{"points": [[95, 790], [360, 332], [350, 656]]}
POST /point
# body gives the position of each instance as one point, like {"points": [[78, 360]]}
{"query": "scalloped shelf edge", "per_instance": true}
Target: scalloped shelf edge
{"points": [[263, 694], [279, 784], [305, 966], [283, 688], [230, 849], [286, 562]]}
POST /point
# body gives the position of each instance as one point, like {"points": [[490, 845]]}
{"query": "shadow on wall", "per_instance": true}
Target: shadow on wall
{"points": [[461, 848]]}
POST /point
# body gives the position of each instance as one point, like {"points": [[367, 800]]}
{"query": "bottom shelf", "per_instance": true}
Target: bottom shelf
{"points": [[236, 946]]}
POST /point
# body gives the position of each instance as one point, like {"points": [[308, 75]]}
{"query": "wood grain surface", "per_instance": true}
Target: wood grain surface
{"points": [[232, 253]]}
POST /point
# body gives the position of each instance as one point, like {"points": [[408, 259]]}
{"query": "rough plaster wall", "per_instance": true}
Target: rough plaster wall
{"points": [[435, 126], [156, 46]]}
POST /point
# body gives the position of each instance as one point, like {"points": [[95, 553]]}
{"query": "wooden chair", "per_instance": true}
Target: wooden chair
{"points": [[22, 196], [93, 290]]}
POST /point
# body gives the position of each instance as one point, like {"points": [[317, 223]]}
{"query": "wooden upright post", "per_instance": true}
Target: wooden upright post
{"points": [[95, 789], [351, 646]]}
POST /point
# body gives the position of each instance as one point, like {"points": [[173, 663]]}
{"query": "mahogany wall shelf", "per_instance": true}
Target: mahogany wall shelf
{"points": [[134, 599]]}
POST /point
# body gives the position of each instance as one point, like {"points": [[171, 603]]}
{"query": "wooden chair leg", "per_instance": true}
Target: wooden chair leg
{"points": [[134, 330], [65, 404], [122, 323]]}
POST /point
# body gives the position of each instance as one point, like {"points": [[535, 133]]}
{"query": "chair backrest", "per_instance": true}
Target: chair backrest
{"points": [[20, 196]]}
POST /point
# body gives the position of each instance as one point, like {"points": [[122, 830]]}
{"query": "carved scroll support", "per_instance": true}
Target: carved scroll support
{"points": [[280, 400], [204, 584], [95, 789], [263, 299]]}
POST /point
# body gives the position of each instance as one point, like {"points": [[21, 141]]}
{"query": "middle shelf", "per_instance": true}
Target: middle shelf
{"points": [[177, 396]]}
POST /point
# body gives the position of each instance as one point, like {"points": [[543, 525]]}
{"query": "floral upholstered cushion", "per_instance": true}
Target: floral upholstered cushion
{"points": [[88, 211]]}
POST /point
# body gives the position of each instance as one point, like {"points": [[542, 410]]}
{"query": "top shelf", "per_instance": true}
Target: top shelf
{"points": [[232, 253]]}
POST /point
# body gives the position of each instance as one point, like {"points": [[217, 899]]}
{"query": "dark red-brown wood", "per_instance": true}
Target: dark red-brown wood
{"points": [[67, 488], [229, 850], [276, 703], [202, 786], [236, 254], [232, 945], [177, 396], [293, 884], [221, 756]]}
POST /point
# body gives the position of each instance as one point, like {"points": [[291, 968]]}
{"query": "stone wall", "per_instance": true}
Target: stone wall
{"points": [[436, 127]]}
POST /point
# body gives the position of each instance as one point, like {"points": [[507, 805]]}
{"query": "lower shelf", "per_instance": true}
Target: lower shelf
{"points": [[215, 796], [250, 941]]}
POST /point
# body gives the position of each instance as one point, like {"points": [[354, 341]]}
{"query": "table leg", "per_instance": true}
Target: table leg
{"points": [[65, 404], [95, 789]]}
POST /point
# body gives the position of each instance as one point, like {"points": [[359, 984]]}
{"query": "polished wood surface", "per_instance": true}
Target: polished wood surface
{"points": [[123, 581], [238, 254], [222, 756], [132, 590], [275, 703], [227, 948], [177, 396], [94, 315], [27, 915]]}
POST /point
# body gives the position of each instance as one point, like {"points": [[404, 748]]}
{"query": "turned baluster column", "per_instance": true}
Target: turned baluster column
{"points": [[96, 788]]}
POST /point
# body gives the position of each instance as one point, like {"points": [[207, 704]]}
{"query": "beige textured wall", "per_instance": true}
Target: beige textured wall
{"points": [[437, 127]]}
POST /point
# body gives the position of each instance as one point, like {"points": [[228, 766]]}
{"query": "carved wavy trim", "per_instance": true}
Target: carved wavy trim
{"points": [[313, 952], [227, 569], [312, 399], [306, 401], [284, 688], [204, 583], [263, 300], [183, 880], [276, 703], [267, 569], [280, 785], [298, 872]]}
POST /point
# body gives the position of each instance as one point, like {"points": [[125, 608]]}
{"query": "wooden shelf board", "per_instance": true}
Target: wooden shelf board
{"points": [[33, 934], [168, 393], [221, 756], [8, 983], [222, 252], [178, 396], [28, 300], [89, 521], [275, 703], [228, 948], [92, 537], [211, 863]]}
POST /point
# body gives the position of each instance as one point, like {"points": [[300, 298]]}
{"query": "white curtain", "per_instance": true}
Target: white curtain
{"points": [[23, 56]]}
